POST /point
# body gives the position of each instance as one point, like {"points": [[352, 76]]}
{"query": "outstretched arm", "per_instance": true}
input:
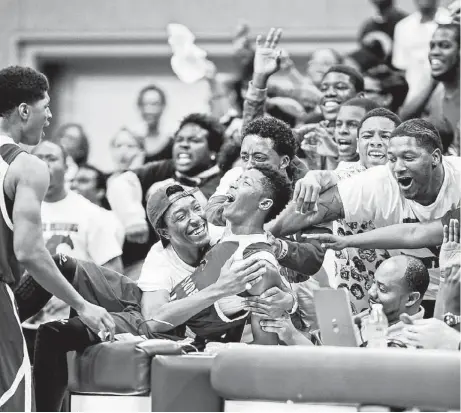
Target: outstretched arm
{"points": [[329, 208], [399, 236]]}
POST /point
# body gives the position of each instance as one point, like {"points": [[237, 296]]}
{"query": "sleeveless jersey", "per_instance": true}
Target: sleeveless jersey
{"points": [[9, 267], [211, 323]]}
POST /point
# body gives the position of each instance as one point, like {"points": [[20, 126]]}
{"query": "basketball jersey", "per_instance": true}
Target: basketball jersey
{"points": [[211, 323], [9, 267]]}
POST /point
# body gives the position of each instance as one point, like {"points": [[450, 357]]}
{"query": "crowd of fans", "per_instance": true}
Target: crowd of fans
{"points": [[350, 178]]}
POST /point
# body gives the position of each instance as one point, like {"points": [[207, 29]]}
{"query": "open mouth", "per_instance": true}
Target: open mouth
{"points": [[330, 104], [344, 143], [405, 182], [436, 64], [183, 159], [230, 198], [198, 231], [376, 155]]}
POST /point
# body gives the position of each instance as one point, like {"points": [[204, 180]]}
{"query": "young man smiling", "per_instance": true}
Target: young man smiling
{"points": [[418, 185], [176, 295]]}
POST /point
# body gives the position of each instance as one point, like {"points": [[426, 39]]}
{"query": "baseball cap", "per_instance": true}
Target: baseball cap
{"points": [[159, 202]]}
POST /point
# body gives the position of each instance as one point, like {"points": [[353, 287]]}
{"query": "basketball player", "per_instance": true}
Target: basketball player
{"points": [[24, 112]]}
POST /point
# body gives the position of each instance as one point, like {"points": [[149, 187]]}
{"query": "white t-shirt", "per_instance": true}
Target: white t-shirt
{"points": [[374, 195], [354, 268], [80, 229], [163, 269]]}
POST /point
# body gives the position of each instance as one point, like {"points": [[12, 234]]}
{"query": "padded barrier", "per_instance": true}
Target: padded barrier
{"points": [[182, 384], [118, 368], [395, 377]]}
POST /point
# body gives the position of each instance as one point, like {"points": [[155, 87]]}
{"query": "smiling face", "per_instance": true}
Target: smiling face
{"points": [[260, 151], [336, 88], [389, 288], [412, 166], [246, 196], [38, 117], [374, 139], [444, 54], [347, 122], [191, 154], [186, 225]]}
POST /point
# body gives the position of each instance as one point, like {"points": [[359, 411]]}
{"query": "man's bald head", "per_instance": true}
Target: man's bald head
{"points": [[400, 284]]}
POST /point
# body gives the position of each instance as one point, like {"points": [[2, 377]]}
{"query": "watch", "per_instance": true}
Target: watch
{"points": [[451, 320]]}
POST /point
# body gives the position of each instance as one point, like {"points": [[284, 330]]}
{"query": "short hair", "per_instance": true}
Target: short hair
{"points": [[18, 85], [451, 26], [424, 132], [363, 103], [101, 179], [279, 187], [380, 113], [279, 132], [215, 129], [148, 88], [354, 75], [416, 275], [84, 141], [391, 82]]}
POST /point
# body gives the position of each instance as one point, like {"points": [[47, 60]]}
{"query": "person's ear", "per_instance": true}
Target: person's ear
{"points": [[436, 158], [163, 233], [24, 111], [412, 298], [265, 204], [284, 162]]}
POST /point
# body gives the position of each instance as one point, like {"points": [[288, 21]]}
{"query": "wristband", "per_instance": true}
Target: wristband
{"points": [[284, 251], [295, 303]]}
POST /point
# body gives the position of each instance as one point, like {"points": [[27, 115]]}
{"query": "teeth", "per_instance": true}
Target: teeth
{"points": [[343, 142], [330, 104], [183, 156], [379, 154], [198, 231]]}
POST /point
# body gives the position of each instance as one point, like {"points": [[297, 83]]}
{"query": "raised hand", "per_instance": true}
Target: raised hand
{"points": [[451, 249], [307, 192], [267, 55]]}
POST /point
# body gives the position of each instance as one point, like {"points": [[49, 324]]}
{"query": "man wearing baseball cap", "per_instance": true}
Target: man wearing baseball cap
{"points": [[184, 281]]}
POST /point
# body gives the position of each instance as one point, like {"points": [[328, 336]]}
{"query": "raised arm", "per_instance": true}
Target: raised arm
{"points": [[266, 63], [329, 208], [31, 179]]}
